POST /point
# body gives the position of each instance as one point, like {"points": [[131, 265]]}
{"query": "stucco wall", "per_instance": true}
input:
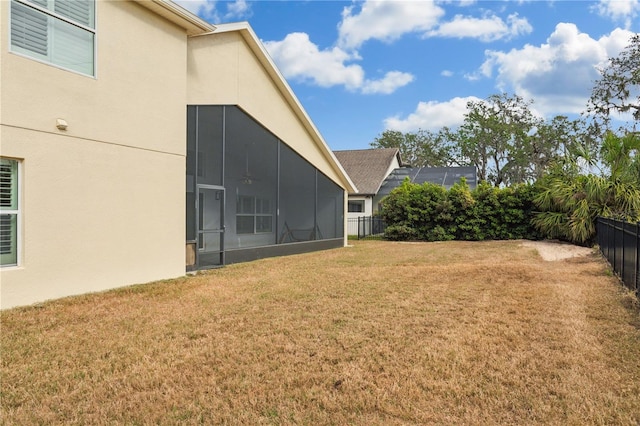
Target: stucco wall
{"points": [[102, 202], [367, 206]]}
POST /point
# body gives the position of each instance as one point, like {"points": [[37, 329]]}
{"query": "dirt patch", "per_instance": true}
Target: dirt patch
{"points": [[557, 250]]}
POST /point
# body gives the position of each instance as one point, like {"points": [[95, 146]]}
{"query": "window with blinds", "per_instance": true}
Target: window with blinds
{"points": [[60, 32], [8, 212]]}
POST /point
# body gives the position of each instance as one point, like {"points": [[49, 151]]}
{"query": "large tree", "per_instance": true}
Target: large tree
{"points": [[570, 201], [420, 149], [495, 138], [552, 141], [618, 88]]}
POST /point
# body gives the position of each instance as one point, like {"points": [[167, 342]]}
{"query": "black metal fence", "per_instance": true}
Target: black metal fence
{"points": [[365, 228], [620, 243]]}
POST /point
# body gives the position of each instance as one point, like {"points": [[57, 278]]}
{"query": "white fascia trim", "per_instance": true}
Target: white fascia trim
{"points": [[178, 15]]}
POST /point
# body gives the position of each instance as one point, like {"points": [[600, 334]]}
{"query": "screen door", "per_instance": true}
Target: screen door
{"points": [[210, 208]]}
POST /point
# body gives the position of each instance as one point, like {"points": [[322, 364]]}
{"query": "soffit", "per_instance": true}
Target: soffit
{"points": [[178, 15]]}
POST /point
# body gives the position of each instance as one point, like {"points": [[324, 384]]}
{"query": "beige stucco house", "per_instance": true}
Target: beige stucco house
{"points": [[133, 132]]}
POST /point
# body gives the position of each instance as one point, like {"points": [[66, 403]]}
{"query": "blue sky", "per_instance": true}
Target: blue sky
{"points": [[361, 67]]}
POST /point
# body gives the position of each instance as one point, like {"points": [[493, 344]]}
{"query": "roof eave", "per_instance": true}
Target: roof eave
{"points": [[178, 15], [397, 156]]}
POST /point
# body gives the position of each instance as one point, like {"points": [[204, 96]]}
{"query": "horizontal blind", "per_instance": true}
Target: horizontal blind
{"points": [[72, 47], [42, 3], [7, 238], [8, 211], [29, 29], [8, 184], [80, 11]]}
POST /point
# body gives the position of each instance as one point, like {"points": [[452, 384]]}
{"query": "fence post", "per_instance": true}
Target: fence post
{"points": [[608, 238], [622, 264], [610, 244], [638, 258], [615, 247]]}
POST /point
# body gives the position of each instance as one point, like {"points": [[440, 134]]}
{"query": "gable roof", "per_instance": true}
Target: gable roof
{"points": [[195, 27], [261, 54], [368, 168]]}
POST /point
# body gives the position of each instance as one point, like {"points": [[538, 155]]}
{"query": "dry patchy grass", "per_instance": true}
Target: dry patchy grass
{"points": [[380, 333]]}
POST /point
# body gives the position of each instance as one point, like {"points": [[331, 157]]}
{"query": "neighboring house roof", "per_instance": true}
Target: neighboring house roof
{"points": [[368, 168], [445, 176]]}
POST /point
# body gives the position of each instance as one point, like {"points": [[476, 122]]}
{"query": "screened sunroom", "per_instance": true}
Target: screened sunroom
{"points": [[249, 195]]}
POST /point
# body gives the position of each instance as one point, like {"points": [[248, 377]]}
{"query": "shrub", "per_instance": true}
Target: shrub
{"points": [[429, 212], [400, 233]]}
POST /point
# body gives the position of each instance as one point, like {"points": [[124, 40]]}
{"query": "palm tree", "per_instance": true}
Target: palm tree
{"points": [[622, 155], [569, 203]]}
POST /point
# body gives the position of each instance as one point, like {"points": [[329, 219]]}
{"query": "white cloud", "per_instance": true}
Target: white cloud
{"points": [[192, 6], [432, 115], [486, 29], [386, 20], [619, 10], [559, 74], [210, 11], [391, 81], [446, 73], [300, 59], [238, 8], [461, 3]]}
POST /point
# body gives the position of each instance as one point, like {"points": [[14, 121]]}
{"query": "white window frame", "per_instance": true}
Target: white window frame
{"points": [[255, 214], [360, 203], [16, 212], [52, 16]]}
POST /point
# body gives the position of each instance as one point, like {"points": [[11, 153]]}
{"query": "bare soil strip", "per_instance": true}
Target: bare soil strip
{"points": [[556, 250]]}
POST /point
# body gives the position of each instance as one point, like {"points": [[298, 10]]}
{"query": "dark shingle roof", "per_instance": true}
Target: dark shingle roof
{"points": [[367, 168]]}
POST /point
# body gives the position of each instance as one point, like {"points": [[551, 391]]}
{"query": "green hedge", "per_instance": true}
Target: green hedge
{"points": [[429, 212]]}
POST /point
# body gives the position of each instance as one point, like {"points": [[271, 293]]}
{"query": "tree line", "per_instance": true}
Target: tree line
{"points": [[579, 169], [500, 136]]}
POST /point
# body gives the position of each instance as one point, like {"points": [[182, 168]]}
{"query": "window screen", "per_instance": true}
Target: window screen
{"points": [[251, 173], [330, 208]]}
